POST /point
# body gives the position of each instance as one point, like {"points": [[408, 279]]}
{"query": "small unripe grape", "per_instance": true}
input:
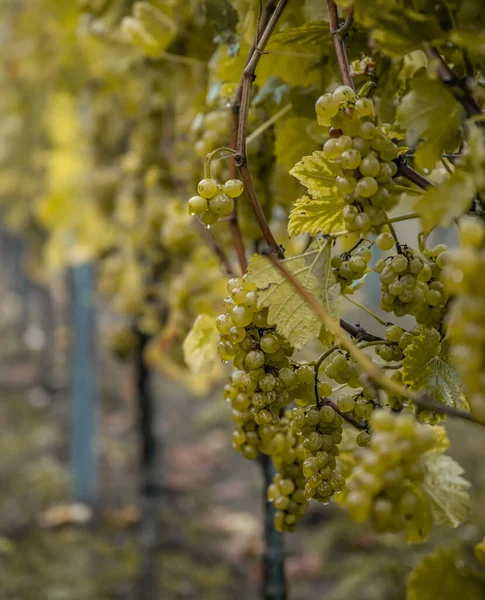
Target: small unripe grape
{"points": [[241, 316], [367, 131], [363, 438], [233, 188], [346, 185], [364, 107], [207, 188], [221, 205], [399, 263], [367, 187], [350, 159], [346, 403], [362, 221], [344, 142], [331, 149], [305, 374], [384, 241], [269, 343], [344, 93], [394, 333], [361, 145], [197, 205], [324, 389], [370, 166], [254, 360], [327, 106], [209, 217]]}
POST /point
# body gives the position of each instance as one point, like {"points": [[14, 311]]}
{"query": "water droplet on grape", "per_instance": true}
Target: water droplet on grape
{"points": [[426, 171], [207, 226]]}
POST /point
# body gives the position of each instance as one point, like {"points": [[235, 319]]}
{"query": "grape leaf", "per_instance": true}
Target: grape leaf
{"points": [[293, 317], [321, 210], [317, 174], [440, 206], [438, 576], [446, 490], [313, 33], [426, 367], [320, 215], [200, 345], [421, 113]]}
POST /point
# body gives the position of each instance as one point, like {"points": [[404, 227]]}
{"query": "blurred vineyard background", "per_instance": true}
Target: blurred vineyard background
{"points": [[101, 505]]}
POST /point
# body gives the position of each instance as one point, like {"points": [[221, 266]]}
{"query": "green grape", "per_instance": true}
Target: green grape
{"points": [[350, 159], [346, 185], [331, 149], [385, 241], [344, 93], [305, 374], [367, 187], [269, 343], [209, 217], [233, 188], [364, 107], [207, 188], [370, 166], [221, 205], [197, 205]]}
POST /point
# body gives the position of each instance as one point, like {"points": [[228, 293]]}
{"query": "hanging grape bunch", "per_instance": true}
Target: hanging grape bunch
{"points": [[361, 154], [214, 200]]}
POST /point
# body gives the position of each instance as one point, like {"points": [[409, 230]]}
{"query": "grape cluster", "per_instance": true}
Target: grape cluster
{"points": [[342, 369], [358, 406], [263, 380], [350, 266], [214, 200], [410, 284], [287, 490], [319, 431], [389, 472], [397, 339], [463, 278], [361, 154]]}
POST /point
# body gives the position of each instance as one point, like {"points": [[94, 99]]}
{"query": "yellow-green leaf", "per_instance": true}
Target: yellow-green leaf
{"points": [[438, 576], [292, 316], [446, 490], [312, 33], [319, 215], [200, 345], [431, 113], [295, 137], [426, 367], [317, 174], [440, 206]]}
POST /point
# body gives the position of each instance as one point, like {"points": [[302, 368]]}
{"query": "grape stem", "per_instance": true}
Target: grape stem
{"points": [[340, 51], [358, 332], [217, 249], [404, 218], [241, 103], [406, 171], [357, 424], [210, 157], [368, 311], [451, 79], [394, 235], [234, 217]]}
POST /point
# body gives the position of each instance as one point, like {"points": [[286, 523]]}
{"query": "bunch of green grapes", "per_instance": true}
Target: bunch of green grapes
{"points": [[342, 369], [350, 266], [396, 340], [410, 284], [466, 325], [359, 406], [385, 484], [319, 430], [214, 200], [361, 154], [287, 491], [264, 380]]}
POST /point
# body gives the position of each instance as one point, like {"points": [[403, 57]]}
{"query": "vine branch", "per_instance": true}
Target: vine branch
{"points": [[407, 171], [234, 217], [357, 424], [451, 79], [241, 104], [336, 33]]}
